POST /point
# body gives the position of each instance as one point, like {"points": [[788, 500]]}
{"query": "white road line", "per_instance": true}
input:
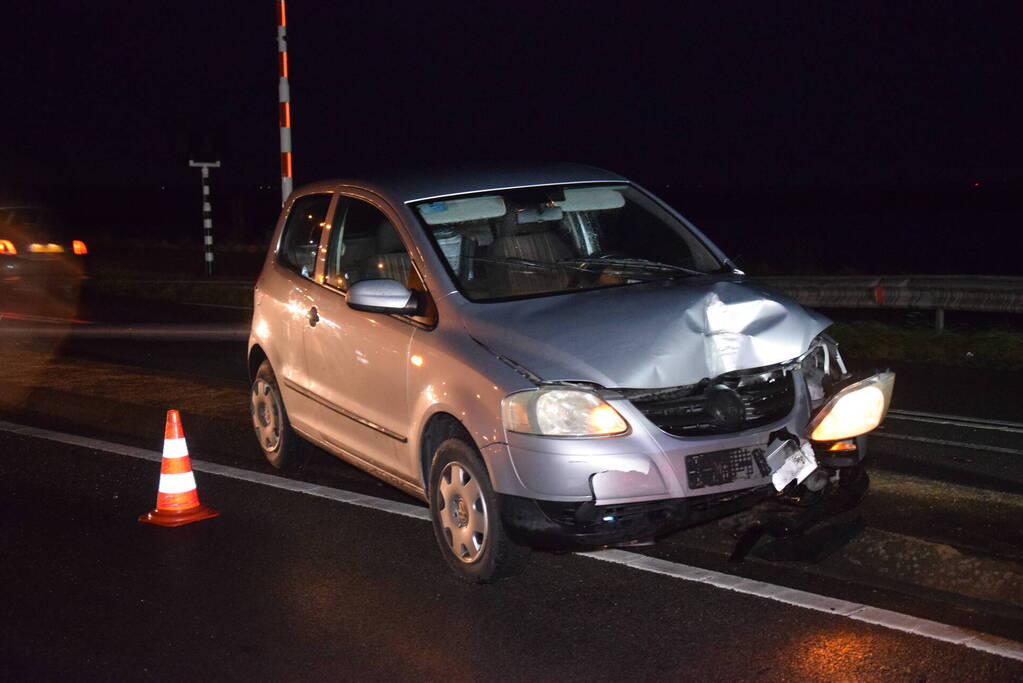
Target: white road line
{"points": [[956, 420], [790, 596], [225, 471], [26, 317], [943, 442], [918, 413]]}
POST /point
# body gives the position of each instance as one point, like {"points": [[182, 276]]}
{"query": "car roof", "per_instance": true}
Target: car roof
{"points": [[18, 210], [413, 186], [22, 207]]}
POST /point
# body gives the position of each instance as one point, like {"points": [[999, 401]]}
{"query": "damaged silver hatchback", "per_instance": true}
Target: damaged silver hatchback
{"points": [[550, 356]]}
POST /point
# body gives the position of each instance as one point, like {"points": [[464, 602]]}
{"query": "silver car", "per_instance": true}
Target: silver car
{"points": [[550, 356]]}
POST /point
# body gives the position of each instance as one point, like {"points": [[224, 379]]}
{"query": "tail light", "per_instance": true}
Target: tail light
{"points": [[78, 246], [49, 248], [6, 247]]}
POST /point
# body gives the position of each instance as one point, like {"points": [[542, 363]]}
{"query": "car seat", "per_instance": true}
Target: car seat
{"points": [[391, 260], [531, 242]]}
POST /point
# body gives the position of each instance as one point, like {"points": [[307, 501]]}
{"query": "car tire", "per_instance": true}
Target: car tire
{"points": [[467, 519], [276, 438]]}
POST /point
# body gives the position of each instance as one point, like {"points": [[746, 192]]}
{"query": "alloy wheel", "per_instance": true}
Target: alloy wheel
{"points": [[266, 414], [463, 512]]}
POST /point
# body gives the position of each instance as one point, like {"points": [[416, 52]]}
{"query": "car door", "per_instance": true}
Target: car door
{"points": [[287, 301], [358, 361]]}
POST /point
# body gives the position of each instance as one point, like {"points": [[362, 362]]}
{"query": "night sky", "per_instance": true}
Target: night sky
{"points": [[710, 99]]}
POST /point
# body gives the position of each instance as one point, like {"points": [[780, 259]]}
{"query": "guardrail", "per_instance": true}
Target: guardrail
{"points": [[929, 292]]}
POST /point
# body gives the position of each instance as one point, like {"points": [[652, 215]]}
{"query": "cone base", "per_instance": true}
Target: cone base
{"points": [[178, 517]]}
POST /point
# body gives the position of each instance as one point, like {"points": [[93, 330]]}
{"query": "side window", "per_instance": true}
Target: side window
{"points": [[365, 246], [301, 237]]}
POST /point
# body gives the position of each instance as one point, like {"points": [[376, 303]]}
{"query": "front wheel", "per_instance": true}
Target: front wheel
{"points": [[277, 439], [466, 518]]}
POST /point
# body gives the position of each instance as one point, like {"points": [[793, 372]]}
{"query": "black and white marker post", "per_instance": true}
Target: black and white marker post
{"points": [[207, 211]]}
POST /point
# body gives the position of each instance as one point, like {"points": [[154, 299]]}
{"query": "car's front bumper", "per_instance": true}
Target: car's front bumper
{"points": [[646, 464], [568, 525], [569, 493]]}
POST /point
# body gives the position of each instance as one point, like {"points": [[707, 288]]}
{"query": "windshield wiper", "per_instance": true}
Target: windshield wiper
{"points": [[630, 262], [529, 263]]}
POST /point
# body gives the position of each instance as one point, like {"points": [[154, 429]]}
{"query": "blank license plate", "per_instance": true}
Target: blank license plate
{"points": [[724, 467]]}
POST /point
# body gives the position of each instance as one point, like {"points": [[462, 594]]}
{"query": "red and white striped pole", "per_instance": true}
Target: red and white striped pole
{"points": [[284, 101]]}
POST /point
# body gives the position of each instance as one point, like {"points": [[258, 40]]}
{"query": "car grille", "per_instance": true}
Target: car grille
{"points": [[690, 411]]}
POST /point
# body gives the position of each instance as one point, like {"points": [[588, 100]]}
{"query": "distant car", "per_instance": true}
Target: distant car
{"points": [[551, 357], [38, 253]]}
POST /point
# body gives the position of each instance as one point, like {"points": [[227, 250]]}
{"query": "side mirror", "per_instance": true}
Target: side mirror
{"points": [[383, 296]]}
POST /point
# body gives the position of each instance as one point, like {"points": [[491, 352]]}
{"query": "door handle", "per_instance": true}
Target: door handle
{"points": [[314, 316]]}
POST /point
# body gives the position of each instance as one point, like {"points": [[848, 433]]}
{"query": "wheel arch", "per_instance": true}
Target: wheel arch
{"points": [[438, 428], [256, 358]]}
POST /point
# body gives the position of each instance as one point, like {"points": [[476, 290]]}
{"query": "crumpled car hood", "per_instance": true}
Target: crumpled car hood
{"points": [[648, 336]]}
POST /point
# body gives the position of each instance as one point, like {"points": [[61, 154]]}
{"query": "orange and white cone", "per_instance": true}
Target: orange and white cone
{"points": [[177, 501]]}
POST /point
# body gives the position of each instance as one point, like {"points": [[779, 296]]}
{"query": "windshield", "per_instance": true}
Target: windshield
{"points": [[560, 238]]}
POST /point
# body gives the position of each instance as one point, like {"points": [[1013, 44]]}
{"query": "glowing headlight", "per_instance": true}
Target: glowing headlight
{"points": [[855, 410], [561, 412]]}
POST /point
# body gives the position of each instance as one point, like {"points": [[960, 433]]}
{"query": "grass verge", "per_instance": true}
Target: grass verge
{"points": [[981, 348]]}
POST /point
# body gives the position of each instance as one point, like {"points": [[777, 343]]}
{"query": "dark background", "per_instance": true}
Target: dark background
{"points": [[802, 137]]}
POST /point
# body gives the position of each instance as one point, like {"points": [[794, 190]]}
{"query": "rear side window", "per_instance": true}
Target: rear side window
{"points": [[300, 240]]}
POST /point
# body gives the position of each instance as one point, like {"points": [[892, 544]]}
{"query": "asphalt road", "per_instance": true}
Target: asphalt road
{"points": [[284, 585], [287, 586]]}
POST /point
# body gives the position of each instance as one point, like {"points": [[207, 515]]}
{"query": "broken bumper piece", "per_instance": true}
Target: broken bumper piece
{"points": [[790, 462]]}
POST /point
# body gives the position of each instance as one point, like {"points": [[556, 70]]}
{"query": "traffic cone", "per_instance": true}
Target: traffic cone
{"points": [[177, 501]]}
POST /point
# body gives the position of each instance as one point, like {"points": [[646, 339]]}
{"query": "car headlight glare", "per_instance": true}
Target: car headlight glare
{"points": [[855, 410], [561, 412]]}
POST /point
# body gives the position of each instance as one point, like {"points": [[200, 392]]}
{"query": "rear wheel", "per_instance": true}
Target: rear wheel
{"points": [[276, 438], [466, 518]]}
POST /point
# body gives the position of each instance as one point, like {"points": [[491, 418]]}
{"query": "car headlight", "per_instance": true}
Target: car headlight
{"points": [[561, 411], [854, 410]]}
